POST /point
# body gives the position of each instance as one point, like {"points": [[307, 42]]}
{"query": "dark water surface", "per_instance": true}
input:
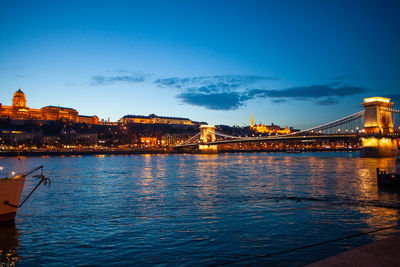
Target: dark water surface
{"points": [[198, 209]]}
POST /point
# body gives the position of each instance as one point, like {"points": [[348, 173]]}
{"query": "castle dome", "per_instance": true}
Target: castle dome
{"points": [[19, 99]]}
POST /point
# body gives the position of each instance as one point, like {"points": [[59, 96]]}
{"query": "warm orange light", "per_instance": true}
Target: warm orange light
{"points": [[377, 99], [207, 126]]}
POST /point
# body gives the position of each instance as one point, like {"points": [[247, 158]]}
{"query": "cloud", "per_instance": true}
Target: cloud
{"points": [[219, 92], [320, 94], [278, 101], [215, 101], [217, 82], [12, 68], [170, 82], [327, 102], [123, 76], [230, 92], [308, 92], [351, 75]]}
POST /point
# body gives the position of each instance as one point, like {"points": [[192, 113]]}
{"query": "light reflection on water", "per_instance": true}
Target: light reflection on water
{"points": [[8, 244], [200, 209]]}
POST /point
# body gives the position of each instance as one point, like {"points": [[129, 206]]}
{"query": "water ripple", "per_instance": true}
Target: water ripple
{"points": [[198, 209]]}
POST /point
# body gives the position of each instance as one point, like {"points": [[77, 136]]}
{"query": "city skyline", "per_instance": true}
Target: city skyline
{"points": [[290, 63]]}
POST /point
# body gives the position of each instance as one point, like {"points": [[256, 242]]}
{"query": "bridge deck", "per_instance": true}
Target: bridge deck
{"points": [[293, 137], [274, 138]]}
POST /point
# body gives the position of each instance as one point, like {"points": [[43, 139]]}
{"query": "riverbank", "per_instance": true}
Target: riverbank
{"points": [[80, 152], [379, 253], [133, 152]]}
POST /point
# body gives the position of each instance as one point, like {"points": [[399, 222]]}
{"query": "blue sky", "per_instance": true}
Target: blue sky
{"points": [[296, 63]]}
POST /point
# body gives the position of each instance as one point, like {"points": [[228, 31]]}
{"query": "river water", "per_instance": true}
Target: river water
{"points": [[245, 209]]}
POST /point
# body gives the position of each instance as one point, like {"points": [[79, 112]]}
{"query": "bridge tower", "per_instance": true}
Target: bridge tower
{"points": [[207, 134], [378, 126], [378, 115]]}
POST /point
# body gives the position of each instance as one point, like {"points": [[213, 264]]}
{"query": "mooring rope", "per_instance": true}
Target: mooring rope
{"points": [[40, 176]]}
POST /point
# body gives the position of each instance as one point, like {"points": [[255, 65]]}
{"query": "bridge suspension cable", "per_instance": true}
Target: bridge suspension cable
{"points": [[395, 117], [333, 124], [390, 110], [189, 140], [224, 135]]}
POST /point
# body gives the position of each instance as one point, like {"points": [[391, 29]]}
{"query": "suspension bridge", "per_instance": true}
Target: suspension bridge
{"points": [[377, 128]]}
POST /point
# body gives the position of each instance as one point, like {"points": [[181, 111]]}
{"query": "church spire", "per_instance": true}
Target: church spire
{"points": [[252, 121]]}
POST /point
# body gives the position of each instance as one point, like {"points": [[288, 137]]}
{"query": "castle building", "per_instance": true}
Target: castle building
{"points": [[20, 111], [269, 129], [152, 118]]}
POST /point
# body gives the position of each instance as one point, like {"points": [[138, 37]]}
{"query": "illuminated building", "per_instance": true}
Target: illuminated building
{"points": [[88, 119], [378, 122], [152, 118], [378, 115], [207, 134], [20, 111], [148, 141], [268, 129]]}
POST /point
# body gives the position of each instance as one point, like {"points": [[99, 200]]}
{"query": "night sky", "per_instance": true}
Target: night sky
{"points": [[295, 63]]}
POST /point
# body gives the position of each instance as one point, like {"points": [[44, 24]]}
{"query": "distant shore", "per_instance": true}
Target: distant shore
{"points": [[86, 152], [133, 152]]}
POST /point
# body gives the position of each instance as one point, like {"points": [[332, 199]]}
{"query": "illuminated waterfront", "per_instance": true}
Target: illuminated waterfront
{"points": [[198, 209]]}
